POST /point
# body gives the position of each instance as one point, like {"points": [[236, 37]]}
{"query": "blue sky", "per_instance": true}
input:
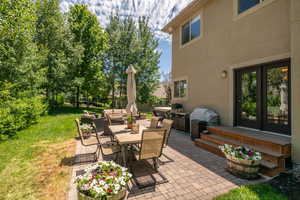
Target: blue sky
{"points": [[165, 59]]}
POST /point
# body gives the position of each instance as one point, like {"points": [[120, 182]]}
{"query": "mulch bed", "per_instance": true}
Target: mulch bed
{"points": [[288, 184]]}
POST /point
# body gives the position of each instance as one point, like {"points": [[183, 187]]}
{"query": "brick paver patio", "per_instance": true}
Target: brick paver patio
{"points": [[192, 172]]}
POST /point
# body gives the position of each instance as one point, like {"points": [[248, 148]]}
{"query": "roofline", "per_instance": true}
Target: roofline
{"points": [[195, 4]]}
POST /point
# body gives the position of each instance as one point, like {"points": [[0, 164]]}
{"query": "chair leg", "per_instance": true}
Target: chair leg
{"points": [[155, 164]]}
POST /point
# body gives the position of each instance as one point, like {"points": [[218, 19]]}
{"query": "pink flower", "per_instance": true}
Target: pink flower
{"points": [[250, 153]]}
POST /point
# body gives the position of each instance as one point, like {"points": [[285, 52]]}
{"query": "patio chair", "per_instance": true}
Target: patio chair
{"points": [[115, 119], [151, 148], [84, 140], [112, 119], [98, 125], [154, 122], [167, 125], [109, 148], [87, 119], [86, 157], [106, 147]]}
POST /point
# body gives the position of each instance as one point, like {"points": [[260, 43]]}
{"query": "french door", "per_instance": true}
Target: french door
{"points": [[262, 97]]}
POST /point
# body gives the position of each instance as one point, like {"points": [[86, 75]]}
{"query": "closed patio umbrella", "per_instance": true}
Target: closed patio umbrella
{"points": [[131, 91]]}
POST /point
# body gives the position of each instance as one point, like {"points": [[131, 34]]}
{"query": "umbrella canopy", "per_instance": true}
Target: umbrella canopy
{"points": [[131, 91]]}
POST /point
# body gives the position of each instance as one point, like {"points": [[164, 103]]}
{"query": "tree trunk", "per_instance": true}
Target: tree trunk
{"points": [[113, 94], [87, 99], [77, 97]]}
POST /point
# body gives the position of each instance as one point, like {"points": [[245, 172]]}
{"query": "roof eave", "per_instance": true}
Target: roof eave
{"points": [[195, 4]]}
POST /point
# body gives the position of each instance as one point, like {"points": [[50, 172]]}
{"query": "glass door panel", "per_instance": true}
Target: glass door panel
{"points": [[247, 90], [277, 98]]}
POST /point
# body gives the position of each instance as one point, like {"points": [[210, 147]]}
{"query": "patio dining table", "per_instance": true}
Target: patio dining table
{"points": [[124, 137]]}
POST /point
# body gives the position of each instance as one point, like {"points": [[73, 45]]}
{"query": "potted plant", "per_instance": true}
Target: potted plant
{"points": [[104, 180], [130, 121], [242, 161]]}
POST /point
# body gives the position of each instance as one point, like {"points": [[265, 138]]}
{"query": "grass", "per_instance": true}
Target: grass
{"points": [[30, 163], [253, 192]]}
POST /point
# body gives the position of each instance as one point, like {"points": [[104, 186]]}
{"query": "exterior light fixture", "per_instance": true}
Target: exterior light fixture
{"points": [[224, 74]]}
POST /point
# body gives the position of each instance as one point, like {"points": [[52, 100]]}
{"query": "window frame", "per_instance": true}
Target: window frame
{"points": [[189, 20], [253, 9], [179, 97], [238, 6]]}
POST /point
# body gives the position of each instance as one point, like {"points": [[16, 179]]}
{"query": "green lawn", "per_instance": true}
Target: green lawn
{"points": [[25, 159], [253, 192]]}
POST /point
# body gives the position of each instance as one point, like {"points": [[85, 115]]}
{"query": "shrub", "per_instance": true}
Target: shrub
{"points": [[19, 111]]}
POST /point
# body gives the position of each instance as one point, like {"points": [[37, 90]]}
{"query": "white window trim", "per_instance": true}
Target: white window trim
{"points": [[237, 16], [185, 78], [198, 14]]}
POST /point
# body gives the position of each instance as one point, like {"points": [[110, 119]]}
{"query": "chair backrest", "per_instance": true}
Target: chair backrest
{"points": [[87, 119], [167, 125], [152, 143], [99, 124], [115, 111], [114, 119], [79, 131], [154, 122]]}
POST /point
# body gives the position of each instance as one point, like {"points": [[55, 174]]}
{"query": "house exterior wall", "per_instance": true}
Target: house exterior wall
{"points": [[228, 42], [295, 54]]}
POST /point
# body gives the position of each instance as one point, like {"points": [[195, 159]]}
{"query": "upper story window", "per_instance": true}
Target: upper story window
{"points": [[191, 30], [180, 89], [244, 5]]}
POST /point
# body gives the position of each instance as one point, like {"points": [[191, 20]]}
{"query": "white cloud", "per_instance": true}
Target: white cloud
{"points": [[160, 12]]}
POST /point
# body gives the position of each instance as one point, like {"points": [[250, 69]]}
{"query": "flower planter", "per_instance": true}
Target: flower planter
{"points": [[105, 180], [247, 169], [121, 195], [242, 161]]}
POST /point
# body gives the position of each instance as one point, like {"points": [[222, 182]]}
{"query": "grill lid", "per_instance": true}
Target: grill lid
{"points": [[205, 114]]}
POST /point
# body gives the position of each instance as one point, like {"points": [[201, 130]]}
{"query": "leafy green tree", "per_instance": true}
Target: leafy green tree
{"points": [[88, 74], [147, 65], [121, 53], [131, 43], [19, 58], [56, 47]]}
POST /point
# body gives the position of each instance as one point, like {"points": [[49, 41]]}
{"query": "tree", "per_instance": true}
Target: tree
{"points": [[167, 84], [54, 42], [121, 53], [147, 65], [131, 43], [88, 74], [19, 59]]}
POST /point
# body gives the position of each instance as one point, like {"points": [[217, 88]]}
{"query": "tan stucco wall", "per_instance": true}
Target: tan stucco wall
{"points": [[295, 52], [227, 43]]}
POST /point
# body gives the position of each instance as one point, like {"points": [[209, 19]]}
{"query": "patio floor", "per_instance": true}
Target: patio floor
{"points": [[192, 173]]}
